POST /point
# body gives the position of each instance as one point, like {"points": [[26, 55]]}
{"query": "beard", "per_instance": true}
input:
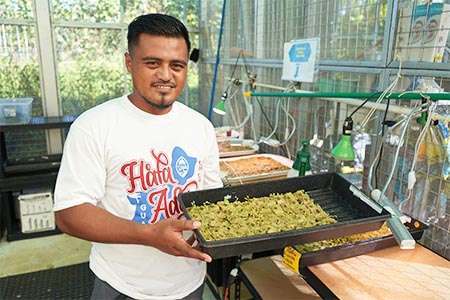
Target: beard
{"points": [[163, 104], [163, 100]]}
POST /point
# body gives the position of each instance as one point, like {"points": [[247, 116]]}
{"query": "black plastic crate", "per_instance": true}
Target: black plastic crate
{"points": [[330, 190], [415, 228]]}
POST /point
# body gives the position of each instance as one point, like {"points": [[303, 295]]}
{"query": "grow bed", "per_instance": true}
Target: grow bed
{"points": [[329, 190]]}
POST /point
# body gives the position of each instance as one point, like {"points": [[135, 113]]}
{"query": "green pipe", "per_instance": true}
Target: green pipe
{"points": [[404, 95]]}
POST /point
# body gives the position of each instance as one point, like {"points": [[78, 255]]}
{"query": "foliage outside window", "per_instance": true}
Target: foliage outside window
{"points": [[90, 40]]}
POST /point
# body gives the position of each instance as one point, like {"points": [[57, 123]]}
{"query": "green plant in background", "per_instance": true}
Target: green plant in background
{"points": [[21, 81], [90, 61], [89, 55], [91, 66], [86, 84], [355, 21]]}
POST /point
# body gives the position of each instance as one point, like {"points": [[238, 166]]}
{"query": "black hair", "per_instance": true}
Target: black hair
{"points": [[157, 24]]}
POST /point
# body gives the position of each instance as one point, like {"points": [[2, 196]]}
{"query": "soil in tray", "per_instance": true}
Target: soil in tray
{"points": [[359, 237], [251, 166], [259, 215], [329, 190], [226, 146], [348, 246]]}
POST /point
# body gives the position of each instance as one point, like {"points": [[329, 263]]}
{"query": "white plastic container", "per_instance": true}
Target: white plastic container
{"points": [[36, 212], [15, 111]]}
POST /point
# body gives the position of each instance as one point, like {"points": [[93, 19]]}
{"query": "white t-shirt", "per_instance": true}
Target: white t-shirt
{"points": [[134, 164]]}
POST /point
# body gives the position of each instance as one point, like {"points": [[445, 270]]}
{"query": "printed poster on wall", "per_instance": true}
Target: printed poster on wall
{"points": [[299, 60]]}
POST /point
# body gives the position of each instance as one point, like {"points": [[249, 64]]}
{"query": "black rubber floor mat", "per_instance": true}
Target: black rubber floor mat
{"points": [[72, 282]]}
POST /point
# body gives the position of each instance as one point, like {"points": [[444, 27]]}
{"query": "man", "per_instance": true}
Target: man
{"points": [[124, 163]]}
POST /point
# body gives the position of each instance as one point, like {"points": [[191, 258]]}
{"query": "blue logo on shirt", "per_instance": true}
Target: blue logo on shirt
{"points": [[182, 165]]}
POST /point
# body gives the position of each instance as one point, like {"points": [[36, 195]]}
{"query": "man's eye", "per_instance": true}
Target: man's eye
{"points": [[178, 67], [152, 63]]}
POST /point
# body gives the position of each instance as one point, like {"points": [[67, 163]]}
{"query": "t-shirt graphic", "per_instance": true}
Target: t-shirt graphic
{"points": [[154, 185]]}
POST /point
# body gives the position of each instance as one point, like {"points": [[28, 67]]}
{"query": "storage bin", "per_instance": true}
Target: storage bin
{"points": [[36, 212], [15, 111]]}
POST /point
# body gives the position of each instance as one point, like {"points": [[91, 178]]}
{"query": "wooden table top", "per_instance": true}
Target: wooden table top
{"points": [[389, 273]]}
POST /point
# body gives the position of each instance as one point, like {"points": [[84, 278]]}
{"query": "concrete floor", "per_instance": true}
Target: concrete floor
{"points": [[29, 255]]}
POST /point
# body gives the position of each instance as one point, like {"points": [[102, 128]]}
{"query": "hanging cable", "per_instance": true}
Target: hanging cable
{"points": [[394, 163], [423, 133], [290, 118], [251, 79], [383, 124], [363, 103], [280, 106], [406, 121], [249, 112], [277, 110], [419, 141], [377, 157], [235, 65], [387, 91]]}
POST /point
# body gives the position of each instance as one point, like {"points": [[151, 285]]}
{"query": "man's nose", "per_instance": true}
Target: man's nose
{"points": [[164, 72]]}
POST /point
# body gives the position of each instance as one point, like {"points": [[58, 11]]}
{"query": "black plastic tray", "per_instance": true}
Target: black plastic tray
{"points": [[358, 248], [25, 165], [329, 190]]}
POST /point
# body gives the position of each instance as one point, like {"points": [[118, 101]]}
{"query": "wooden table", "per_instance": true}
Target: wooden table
{"points": [[272, 280], [389, 273]]}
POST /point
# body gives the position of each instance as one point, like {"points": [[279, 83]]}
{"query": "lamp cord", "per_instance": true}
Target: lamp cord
{"points": [[406, 120], [363, 103], [235, 64], [394, 163], [387, 91], [383, 124]]}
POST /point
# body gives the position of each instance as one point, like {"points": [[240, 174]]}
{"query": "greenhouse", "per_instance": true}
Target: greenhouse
{"points": [[199, 149]]}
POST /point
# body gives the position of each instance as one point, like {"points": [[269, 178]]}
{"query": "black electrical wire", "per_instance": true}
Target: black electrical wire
{"points": [[247, 69], [382, 130], [362, 104], [236, 64], [382, 142], [230, 280]]}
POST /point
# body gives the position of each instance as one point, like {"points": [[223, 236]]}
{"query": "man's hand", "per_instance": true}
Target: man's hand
{"points": [[95, 224], [167, 236]]}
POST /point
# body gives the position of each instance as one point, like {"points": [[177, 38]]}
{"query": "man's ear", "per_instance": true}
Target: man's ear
{"points": [[128, 61]]}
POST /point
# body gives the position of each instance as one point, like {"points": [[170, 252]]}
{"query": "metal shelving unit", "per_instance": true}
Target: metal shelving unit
{"points": [[31, 173]]}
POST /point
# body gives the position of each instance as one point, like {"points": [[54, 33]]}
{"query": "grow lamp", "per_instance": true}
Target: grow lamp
{"points": [[220, 107], [344, 149]]}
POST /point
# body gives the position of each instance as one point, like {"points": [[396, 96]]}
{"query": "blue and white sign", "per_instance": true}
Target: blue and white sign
{"points": [[299, 60]]}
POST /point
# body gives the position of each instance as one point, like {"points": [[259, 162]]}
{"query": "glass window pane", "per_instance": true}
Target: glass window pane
{"points": [[19, 76], [90, 60], [18, 61], [93, 11], [16, 9], [90, 66]]}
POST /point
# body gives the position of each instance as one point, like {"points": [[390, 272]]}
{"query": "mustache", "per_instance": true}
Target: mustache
{"points": [[167, 83]]}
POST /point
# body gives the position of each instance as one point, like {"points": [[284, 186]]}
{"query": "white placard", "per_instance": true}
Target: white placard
{"points": [[299, 60]]}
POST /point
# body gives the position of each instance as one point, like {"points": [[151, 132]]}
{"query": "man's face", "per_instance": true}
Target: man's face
{"points": [[158, 67]]}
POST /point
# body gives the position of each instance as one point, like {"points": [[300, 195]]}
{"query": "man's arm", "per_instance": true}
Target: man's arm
{"points": [[95, 224]]}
